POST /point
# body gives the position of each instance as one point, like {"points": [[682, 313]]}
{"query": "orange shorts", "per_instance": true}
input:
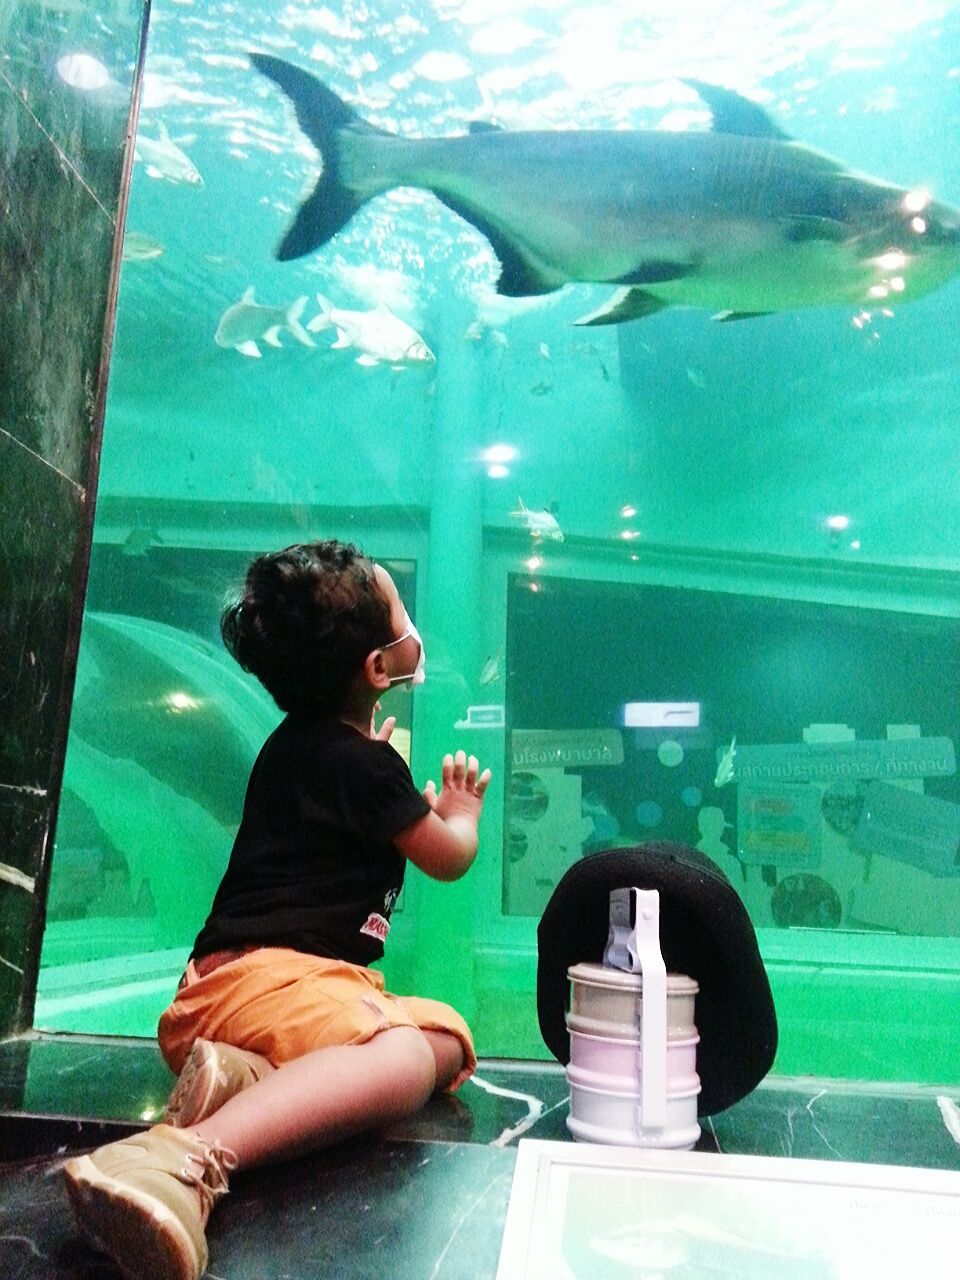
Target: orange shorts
{"points": [[283, 1003]]}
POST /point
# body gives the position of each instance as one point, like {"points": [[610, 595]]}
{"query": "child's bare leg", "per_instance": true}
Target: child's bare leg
{"points": [[447, 1055], [327, 1095]]}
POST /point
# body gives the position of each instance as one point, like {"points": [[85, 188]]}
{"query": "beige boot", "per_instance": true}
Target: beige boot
{"points": [[212, 1073], [145, 1201]]}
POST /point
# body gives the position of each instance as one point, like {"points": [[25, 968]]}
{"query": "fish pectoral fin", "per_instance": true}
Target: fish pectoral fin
{"points": [[626, 304], [249, 348], [518, 277], [272, 336], [656, 271], [727, 317], [733, 113], [367, 360], [806, 227]]}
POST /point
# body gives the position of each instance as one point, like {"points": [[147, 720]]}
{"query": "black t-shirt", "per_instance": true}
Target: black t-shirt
{"points": [[313, 865]]}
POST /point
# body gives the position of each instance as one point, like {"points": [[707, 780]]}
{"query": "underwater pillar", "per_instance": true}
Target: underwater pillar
{"points": [[448, 620]]}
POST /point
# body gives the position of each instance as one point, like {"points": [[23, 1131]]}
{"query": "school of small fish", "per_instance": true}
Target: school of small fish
{"points": [[378, 337]]}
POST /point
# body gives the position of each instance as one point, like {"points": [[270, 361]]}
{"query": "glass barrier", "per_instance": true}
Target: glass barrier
{"points": [[649, 404]]}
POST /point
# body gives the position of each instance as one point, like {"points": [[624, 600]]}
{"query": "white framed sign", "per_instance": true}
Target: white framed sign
{"points": [[590, 1212]]}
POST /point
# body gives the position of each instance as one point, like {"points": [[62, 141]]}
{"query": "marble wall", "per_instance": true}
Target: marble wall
{"points": [[68, 75]]}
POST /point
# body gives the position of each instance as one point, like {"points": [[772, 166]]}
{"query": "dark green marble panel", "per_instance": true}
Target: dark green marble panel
{"points": [[66, 82], [56, 244], [72, 66], [36, 585], [43, 512], [23, 825]]}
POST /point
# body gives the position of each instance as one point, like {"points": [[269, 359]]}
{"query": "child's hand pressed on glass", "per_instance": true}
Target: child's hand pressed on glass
{"points": [[444, 842], [461, 787]]}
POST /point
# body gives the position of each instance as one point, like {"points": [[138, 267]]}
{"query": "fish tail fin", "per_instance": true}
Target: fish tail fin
{"points": [[294, 325], [322, 116], [324, 317]]}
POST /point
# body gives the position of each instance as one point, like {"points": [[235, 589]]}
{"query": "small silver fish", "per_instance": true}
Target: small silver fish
{"points": [[164, 159], [139, 541], [378, 336], [542, 524], [138, 247], [246, 324], [479, 330], [490, 672], [725, 767]]}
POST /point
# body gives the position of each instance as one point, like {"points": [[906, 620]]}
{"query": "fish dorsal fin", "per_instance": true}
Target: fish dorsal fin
{"points": [[248, 294], [733, 113], [484, 126], [163, 132]]}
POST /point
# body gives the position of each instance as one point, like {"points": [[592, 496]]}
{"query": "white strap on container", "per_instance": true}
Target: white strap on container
{"points": [[633, 944]]}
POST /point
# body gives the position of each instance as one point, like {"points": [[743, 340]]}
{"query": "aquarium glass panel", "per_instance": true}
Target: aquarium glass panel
{"points": [[624, 335]]}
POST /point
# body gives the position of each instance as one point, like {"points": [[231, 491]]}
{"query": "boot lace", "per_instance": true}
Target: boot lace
{"points": [[205, 1169]]}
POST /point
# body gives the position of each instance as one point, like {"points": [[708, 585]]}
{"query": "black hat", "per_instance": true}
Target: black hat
{"points": [[705, 932]]}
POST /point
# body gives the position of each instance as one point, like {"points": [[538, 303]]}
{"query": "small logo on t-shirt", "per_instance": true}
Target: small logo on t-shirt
{"points": [[375, 926]]}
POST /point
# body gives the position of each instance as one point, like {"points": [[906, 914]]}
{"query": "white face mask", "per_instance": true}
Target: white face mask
{"points": [[418, 675]]}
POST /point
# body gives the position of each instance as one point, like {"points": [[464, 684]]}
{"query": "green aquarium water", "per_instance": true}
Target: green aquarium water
{"points": [[625, 335]]}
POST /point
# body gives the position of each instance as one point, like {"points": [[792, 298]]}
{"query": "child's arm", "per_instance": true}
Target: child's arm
{"points": [[444, 843]]}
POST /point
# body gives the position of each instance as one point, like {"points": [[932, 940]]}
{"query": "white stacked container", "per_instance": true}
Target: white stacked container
{"points": [[632, 1071]]}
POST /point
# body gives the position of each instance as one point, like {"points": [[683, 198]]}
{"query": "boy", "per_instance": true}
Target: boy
{"points": [[282, 1037]]}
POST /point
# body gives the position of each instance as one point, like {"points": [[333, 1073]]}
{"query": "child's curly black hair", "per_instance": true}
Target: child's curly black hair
{"points": [[306, 620]]}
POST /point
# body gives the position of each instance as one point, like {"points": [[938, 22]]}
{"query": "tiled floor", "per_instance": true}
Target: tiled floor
{"points": [[425, 1202]]}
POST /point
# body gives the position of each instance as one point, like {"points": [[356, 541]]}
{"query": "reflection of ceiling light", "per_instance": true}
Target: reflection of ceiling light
{"points": [[629, 535], [534, 563], [499, 453], [916, 201], [892, 260], [918, 225], [81, 71], [498, 471], [855, 545], [838, 522], [178, 702], [628, 512]]}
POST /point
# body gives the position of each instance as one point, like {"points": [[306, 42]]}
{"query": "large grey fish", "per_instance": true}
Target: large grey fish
{"points": [[740, 219]]}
